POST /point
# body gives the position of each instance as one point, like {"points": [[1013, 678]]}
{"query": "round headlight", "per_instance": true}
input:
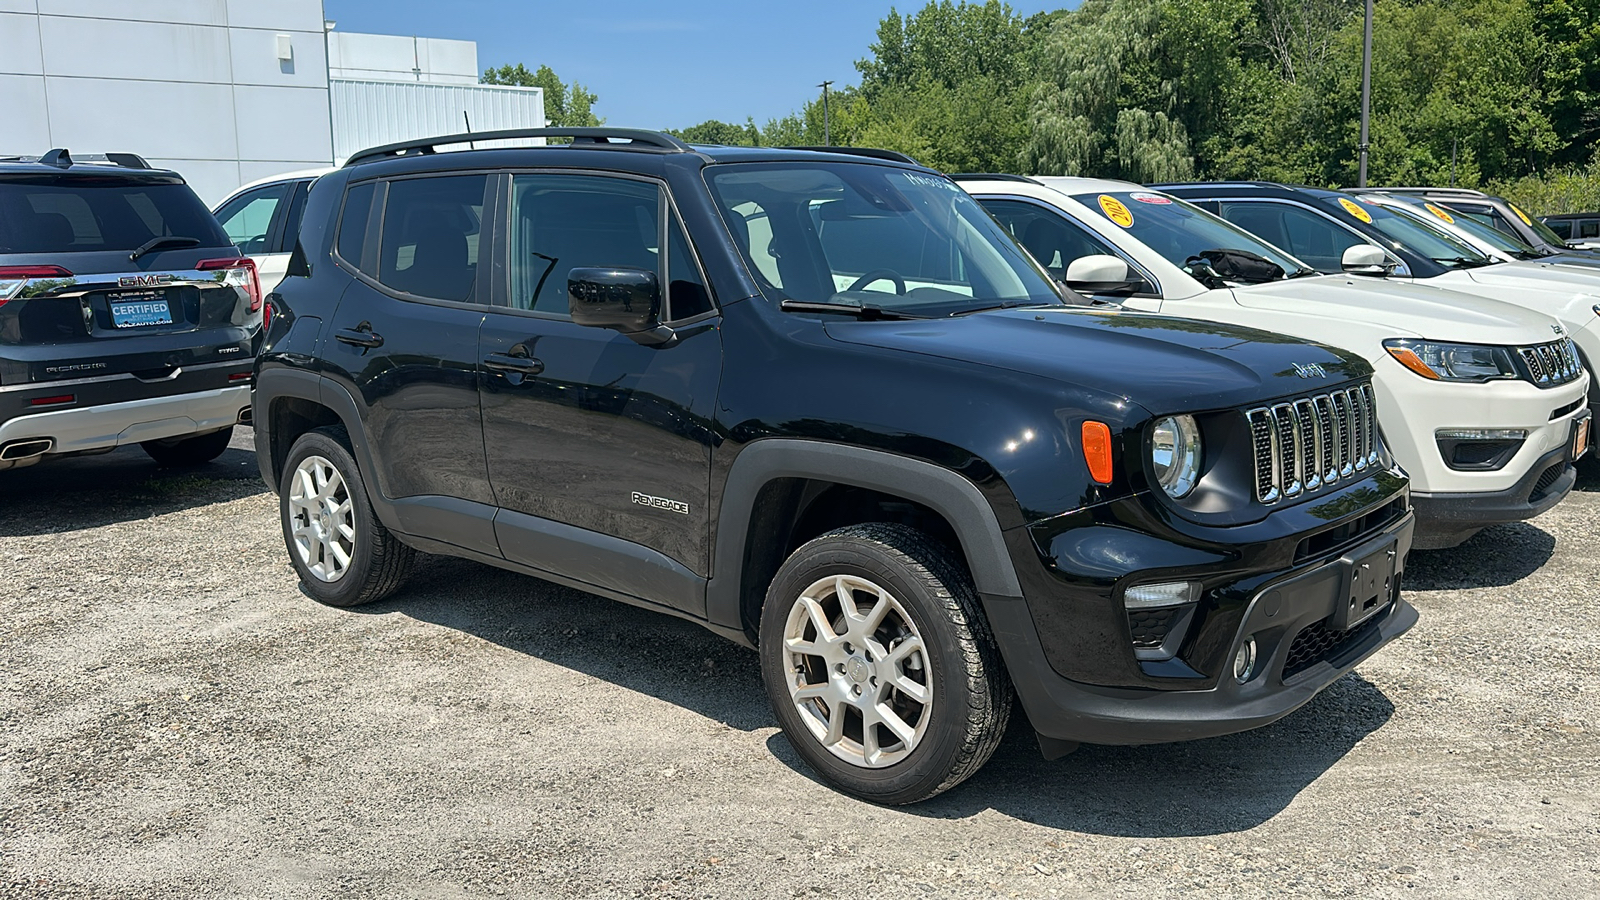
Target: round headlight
{"points": [[1175, 454]]}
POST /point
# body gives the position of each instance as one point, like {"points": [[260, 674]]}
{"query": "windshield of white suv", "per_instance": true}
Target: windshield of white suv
{"points": [[1494, 237], [872, 236], [1188, 236], [1407, 233]]}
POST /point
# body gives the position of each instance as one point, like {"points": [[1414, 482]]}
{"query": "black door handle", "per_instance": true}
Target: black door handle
{"points": [[522, 365], [359, 336]]}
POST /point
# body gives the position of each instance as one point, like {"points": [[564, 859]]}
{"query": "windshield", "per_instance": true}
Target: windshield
{"points": [[1539, 228], [1407, 232], [1181, 232], [857, 234], [95, 213], [1494, 237]]}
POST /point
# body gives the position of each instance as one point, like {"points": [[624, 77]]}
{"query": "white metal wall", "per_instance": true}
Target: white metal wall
{"points": [[192, 85], [388, 57], [369, 113]]}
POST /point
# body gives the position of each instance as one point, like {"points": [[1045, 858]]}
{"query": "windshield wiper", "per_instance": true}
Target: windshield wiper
{"points": [[1007, 304], [1530, 254], [166, 240], [1463, 262], [1303, 272], [864, 313]]}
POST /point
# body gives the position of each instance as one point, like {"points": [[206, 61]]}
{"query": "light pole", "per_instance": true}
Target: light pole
{"points": [[1366, 92], [827, 132]]}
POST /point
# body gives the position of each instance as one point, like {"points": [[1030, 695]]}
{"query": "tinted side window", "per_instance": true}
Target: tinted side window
{"points": [[247, 218], [291, 220], [559, 222], [1051, 240], [1589, 228], [430, 236], [1562, 228], [353, 222], [1315, 239], [686, 292]]}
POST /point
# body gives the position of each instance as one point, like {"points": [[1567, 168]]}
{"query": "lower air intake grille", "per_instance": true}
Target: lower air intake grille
{"points": [[1317, 642]]}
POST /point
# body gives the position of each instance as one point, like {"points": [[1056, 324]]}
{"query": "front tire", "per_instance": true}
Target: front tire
{"points": [[880, 665], [342, 553], [191, 451]]}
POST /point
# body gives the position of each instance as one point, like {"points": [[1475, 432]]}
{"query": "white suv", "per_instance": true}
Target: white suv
{"points": [[1481, 401]]}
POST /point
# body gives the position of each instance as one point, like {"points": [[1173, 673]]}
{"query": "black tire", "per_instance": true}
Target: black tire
{"points": [[377, 562], [192, 451], [971, 695]]}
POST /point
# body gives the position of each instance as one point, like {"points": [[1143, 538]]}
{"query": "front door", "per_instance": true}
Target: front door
{"points": [[599, 447]]}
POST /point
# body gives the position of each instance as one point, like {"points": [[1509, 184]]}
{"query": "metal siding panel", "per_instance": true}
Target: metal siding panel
{"points": [[371, 113]]}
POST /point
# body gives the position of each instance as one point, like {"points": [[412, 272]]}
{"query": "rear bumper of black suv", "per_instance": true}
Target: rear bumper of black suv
{"points": [[91, 414], [1288, 612]]}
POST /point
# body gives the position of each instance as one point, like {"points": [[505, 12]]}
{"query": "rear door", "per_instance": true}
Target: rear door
{"points": [[405, 339], [91, 305]]}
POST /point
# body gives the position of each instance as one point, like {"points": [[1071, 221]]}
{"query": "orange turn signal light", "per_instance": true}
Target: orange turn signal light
{"points": [[1097, 450], [1407, 357]]}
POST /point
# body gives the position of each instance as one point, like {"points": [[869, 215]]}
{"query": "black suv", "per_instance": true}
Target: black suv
{"points": [[126, 316], [822, 404]]}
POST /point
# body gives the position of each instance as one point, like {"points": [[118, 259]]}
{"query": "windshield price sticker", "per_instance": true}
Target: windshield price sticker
{"points": [[1521, 215], [1115, 211], [1440, 213], [1156, 199], [1355, 210]]}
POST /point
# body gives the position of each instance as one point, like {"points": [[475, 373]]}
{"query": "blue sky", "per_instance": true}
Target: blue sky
{"points": [[655, 64]]}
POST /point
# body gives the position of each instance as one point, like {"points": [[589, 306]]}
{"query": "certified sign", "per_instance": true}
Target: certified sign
{"points": [[1521, 215], [1116, 211], [1354, 209], [1440, 213], [1155, 199]]}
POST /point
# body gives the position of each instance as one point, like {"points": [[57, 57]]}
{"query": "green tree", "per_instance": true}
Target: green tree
{"points": [[728, 134], [565, 106]]}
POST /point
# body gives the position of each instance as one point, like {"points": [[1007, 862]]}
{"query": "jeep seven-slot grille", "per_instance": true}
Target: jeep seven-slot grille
{"points": [[1312, 442], [1552, 364]]}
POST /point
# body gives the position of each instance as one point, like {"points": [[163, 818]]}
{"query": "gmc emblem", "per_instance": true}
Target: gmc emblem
{"points": [[142, 280]]}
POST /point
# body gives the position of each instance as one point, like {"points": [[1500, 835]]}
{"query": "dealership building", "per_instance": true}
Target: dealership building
{"points": [[229, 91]]}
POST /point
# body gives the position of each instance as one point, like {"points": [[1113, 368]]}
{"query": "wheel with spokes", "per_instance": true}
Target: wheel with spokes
{"points": [[880, 666], [342, 553]]}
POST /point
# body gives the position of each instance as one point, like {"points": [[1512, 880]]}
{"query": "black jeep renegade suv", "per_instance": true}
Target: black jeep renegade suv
{"points": [[821, 404]]}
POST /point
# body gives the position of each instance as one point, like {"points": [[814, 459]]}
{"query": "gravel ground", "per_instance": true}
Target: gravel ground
{"points": [[179, 720]]}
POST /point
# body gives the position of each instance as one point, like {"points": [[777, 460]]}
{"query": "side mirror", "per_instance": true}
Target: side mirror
{"points": [[625, 300], [1365, 259], [1098, 274]]}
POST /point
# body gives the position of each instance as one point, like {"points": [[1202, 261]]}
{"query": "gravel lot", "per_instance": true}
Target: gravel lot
{"points": [[178, 720]]}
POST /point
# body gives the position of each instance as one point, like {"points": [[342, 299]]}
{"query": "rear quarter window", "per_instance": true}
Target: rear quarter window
{"points": [[96, 214]]}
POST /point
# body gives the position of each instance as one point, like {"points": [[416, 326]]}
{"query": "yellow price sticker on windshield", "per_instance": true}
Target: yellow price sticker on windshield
{"points": [[1115, 211], [1521, 215], [1440, 213], [1353, 209]]}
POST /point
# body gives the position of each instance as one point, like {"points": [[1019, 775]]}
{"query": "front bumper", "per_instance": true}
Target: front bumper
{"points": [[1289, 611], [1445, 520]]}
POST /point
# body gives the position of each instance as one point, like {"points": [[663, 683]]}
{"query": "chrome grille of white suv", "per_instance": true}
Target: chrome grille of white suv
{"points": [[1313, 442], [1552, 364]]}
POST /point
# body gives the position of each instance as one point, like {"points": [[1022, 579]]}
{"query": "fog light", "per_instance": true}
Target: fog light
{"points": [[1244, 662], [1481, 434], [1155, 596]]}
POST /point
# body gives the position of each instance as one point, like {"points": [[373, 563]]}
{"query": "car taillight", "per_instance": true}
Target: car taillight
{"points": [[14, 278], [241, 273], [266, 317]]}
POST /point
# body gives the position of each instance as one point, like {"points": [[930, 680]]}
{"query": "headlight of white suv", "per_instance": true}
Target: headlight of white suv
{"points": [[1175, 454], [1452, 362]]}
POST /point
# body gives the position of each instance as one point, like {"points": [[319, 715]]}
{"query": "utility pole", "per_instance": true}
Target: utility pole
{"points": [[827, 131], [1366, 92]]}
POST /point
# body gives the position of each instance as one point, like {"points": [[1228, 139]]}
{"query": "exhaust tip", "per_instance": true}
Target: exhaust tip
{"points": [[246, 416], [26, 448]]}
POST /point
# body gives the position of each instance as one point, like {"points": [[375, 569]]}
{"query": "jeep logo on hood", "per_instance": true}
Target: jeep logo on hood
{"points": [[142, 280], [1310, 370]]}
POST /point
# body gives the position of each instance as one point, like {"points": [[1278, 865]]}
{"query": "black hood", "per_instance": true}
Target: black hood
{"points": [[1164, 364]]}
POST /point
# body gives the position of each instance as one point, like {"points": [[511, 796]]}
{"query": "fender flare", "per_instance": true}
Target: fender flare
{"points": [[949, 494], [275, 383]]}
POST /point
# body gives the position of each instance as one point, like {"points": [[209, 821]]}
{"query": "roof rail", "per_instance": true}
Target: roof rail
{"points": [[60, 158], [992, 176], [1445, 191], [871, 152], [633, 138]]}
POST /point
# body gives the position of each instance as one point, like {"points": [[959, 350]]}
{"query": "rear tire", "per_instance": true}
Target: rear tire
{"points": [[342, 553], [880, 665], [192, 451]]}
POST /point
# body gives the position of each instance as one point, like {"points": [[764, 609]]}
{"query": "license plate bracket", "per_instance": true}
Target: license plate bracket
{"points": [[1368, 589], [1580, 437], [140, 309]]}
